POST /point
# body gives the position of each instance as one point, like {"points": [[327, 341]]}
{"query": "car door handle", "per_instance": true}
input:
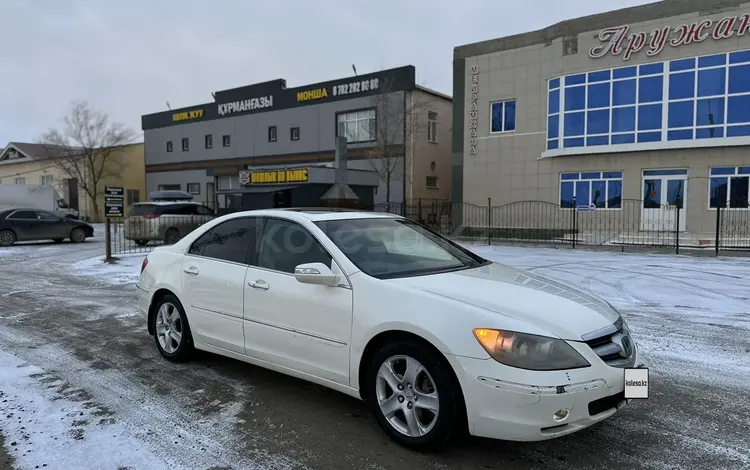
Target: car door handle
{"points": [[192, 270], [259, 284]]}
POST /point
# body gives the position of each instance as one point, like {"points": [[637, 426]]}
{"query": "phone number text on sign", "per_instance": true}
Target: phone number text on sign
{"points": [[356, 87]]}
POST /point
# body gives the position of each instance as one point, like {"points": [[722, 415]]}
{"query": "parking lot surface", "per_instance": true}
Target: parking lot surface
{"points": [[81, 381]]}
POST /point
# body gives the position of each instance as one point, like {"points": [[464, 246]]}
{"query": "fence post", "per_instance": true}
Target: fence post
{"points": [[677, 232], [489, 221], [107, 241], [718, 228], [574, 223], [419, 208]]}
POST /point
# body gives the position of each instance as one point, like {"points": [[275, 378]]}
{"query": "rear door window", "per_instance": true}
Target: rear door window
{"points": [[180, 209], [24, 215], [143, 209]]}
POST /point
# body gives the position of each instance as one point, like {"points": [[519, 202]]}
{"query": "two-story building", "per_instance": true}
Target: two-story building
{"points": [[630, 114], [32, 163], [266, 145]]}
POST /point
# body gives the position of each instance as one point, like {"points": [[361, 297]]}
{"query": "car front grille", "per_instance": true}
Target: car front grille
{"points": [[613, 345]]}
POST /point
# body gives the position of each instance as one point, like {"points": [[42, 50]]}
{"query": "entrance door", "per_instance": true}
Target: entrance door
{"points": [[663, 193]]}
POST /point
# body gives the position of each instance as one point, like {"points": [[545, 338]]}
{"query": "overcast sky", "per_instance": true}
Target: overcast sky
{"points": [[129, 58]]}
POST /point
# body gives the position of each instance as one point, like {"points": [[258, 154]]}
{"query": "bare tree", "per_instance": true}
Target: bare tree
{"points": [[85, 148], [397, 125]]}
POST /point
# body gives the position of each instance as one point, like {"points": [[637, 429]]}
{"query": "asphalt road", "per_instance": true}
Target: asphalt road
{"points": [[219, 413]]}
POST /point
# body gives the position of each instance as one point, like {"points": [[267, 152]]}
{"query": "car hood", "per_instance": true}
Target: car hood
{"points": [[559, 309]]}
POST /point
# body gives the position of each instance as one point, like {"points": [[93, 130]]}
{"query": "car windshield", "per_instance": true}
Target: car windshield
{"points": [[387, 248]]}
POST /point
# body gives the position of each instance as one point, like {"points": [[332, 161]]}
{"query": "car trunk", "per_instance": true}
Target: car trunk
{"points": [[141, 220]]}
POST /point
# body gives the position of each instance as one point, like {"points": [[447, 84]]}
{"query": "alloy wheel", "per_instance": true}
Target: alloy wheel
{"points": [[78, 235], [7, 238], [407, 396], [169, 328]]}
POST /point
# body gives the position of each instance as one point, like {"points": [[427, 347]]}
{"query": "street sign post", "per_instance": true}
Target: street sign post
{"points": [[114, 206]]}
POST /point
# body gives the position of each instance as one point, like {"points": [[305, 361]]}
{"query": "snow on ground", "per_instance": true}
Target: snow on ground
{"points": [[690, 315], [125, 270]]}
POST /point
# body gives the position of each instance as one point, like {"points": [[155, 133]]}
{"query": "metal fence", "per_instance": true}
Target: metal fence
{"points": [[632, 225]]}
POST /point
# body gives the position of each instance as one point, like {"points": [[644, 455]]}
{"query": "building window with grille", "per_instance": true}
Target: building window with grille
{"points": [[432, 127]]}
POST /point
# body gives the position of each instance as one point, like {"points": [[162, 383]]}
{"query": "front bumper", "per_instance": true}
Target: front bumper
{"points": [[518, 405]]}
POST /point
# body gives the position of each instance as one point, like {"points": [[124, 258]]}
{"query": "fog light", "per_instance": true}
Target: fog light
{"points": [[561, 414]]}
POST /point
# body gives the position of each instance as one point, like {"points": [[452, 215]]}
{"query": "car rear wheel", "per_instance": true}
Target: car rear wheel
{"points": [[171, 330], [7, 238], [414, 396], [172, 236], [78, 235]]}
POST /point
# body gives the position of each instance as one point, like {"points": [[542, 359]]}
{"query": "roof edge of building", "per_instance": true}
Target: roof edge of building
{"points": [[576, 26]]}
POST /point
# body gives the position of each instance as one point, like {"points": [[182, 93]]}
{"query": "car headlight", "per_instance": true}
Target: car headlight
{"points": [[531, 352]]}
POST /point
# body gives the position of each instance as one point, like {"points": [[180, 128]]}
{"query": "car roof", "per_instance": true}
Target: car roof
{"points": [[165, 203], [317, 214]]}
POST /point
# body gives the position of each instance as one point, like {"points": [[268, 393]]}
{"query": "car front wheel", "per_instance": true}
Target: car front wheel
{"points": [[78, 235], [171, 330], [414, 396]]}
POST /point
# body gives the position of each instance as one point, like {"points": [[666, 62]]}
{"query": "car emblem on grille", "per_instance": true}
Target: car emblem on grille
{"points": [[624, 343]]}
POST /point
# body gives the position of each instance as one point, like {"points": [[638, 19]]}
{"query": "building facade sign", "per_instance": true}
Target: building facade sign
{"points": [[298, 175], [619, 41], [473, 109], [187, 115], [250, 104], [316, 94]]}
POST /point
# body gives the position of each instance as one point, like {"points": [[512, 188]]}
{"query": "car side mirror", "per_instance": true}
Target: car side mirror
{"points": [[315, 273]]}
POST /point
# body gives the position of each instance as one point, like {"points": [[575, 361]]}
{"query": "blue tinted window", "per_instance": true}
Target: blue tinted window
{"points": [[739, 79], [598, 122], [709, 132], [744, 170], [739, 57], [712, 82], [574, 124], [710, 112], [554, 83], [718, 194], [599, 76], [597, 140], [680, 135], [712, 60], [566, 194], [554, 102], [582, 193], [497, 117], [723, 171], [683, 64], [623, 139], [623, 92], [738, 131], [599, 193], [623, 119], [575, 142], [649, 137], [649, 117], [651, 69], [599, 95], [553, 126], [552, 144], [510, 116], [575, 79], [614, 194], [739, 109], [626, 72], [680, 114], [590, 175], [650, 89], [575, 98], [681, 85], [664, 172], [612, 174], [570, 176]]}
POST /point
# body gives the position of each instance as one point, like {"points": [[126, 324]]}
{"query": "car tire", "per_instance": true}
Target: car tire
{"points": [[172, 236], [78, 235], [432, 429], [169, 318], [58, 240], [7, 238], [141, 242]]}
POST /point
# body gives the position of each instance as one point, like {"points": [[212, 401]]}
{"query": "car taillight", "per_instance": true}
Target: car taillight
{"points": [[151, 216], [145, 263]]}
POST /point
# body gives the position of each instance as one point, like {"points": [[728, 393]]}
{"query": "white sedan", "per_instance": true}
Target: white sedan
{"points": [[438, 340]]}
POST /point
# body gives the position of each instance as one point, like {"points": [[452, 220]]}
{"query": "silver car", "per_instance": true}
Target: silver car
{"points": [[165, 221]]}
